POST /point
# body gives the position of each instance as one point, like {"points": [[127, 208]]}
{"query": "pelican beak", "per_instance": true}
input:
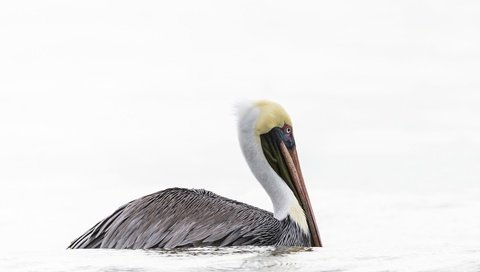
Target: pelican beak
{"points": [[279, 148]]}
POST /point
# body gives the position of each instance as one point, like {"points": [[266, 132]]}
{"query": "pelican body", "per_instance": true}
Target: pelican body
{"points": [[178, 217]]}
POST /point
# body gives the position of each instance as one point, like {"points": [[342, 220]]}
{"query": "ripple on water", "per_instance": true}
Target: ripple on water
{"points": [[237, 258], [243, 259]]}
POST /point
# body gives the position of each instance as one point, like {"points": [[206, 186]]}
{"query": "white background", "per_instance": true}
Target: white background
{"points": [[105, 101]]}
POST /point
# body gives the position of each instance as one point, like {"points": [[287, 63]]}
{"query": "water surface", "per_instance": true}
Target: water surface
{"points": [[246, 259]]}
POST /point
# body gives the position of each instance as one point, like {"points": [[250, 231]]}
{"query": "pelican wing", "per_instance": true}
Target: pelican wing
{"points": [[179, 218]]}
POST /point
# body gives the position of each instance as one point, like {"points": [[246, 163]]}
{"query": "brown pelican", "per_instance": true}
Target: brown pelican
{"points": [[188, 218]]}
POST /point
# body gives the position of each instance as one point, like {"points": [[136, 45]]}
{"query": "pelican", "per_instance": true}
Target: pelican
{"points": [[179, 217]]}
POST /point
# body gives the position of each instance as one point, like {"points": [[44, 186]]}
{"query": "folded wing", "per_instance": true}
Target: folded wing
{"points": [[182, 218]]}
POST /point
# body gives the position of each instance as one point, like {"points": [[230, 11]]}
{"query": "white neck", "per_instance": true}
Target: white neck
{"points": [[283, 199]]}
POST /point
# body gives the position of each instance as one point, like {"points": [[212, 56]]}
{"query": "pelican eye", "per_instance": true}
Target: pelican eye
{"points": [[288, 130]]}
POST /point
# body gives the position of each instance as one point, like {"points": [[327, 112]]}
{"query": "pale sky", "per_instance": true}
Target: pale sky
{"points": [[105, 101]]}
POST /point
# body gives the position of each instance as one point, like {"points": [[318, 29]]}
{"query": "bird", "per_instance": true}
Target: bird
{"points": [[179, 217]]}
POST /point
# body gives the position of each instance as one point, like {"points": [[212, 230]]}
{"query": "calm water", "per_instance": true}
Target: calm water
{"points": [[247, 259]]}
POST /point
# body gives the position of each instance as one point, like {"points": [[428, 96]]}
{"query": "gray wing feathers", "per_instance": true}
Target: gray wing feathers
{"points": [[180, 217], [94, 236]]}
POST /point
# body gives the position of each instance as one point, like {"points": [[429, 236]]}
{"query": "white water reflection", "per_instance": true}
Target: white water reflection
{"points": [[246, 259]]}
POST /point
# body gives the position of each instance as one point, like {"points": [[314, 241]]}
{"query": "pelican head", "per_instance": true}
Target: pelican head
{"points": [[266, 137]]}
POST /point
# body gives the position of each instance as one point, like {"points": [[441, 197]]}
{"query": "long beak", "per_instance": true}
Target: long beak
{"points": [[284, 162], [293, 165]]}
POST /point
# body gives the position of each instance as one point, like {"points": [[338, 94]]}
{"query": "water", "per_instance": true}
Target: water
{"points": [[247, 259]]}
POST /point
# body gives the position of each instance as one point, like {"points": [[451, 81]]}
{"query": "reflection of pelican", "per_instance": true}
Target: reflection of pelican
{"points": [[183, 218]]}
